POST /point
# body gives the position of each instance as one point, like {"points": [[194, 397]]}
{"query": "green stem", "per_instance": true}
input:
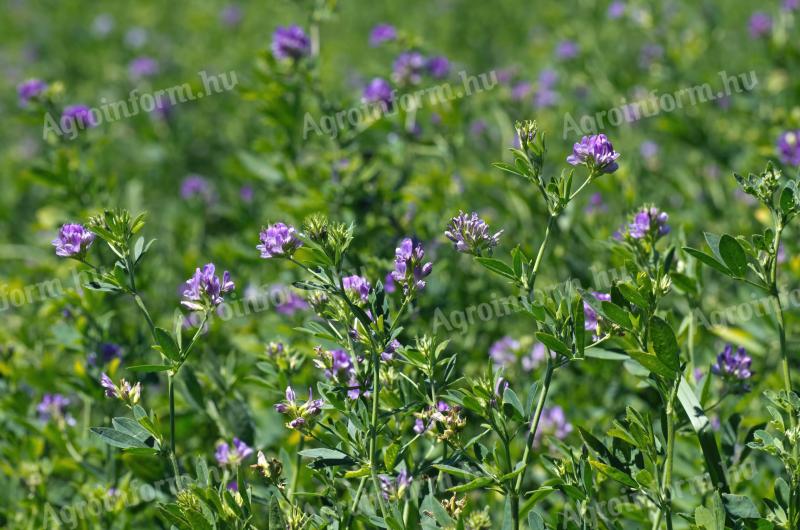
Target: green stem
{"points": [[527, 455], [356, 500], [172, 457], [539, 255], [787, 381], [373, 442], [666, 481]]}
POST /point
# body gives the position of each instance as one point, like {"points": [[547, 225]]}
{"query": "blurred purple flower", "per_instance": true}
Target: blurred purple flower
{"points": [[197, 186], [590, 316], [378, 90], [521, 90], [438, 66], [388, 354], [759, 25], [290, 302], [227, 455], [108, 352], [554, 423], [356, 286], [231, 15], [408, 68], [78, 117], [734, 367], [567, 49], [616, 9], [596, 203], [409, 271], [290, 42], [142, 67], [382, 33], [535, 358], [30, 89], [789, 147], [54, 407], [246, 193], [504, 351], [648, 149]]}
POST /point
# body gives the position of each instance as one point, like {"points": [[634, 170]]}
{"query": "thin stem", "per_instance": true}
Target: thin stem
{"points": [[172, 457], [536, 264], [666, 481], [527, 455], [373, 442], [356, 500], [585, 183], [787, 381]]}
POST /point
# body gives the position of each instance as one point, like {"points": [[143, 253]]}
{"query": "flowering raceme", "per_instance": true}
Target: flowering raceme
{"points": [[204, 290], [382, 33], [30, 89], [126, 392], [596, 153], [290, 42], [356, 286], [734, 367], [470, 234], [299, 414], [409, 270], [73, 241], [54, 407], [278, 241], [232, 455], [649, 221], [789, 148]]}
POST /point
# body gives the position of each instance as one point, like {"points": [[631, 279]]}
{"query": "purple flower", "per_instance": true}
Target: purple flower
{"points": [[391, 348], [142, 67], [791, 5], [521, 90], [470, 234], [73, 240], [394, 489], [278, 241], [616, 9], [30, 89], [409, 271], [789, 147], [356, 286], [408, 68], [590, 317], [231, 15], [378, 91], [341, 363], [77, 117], [649, 221], [108, 352], [232, 456], [544, 98], [648, 149], [759, 25], [567, 49], [596, 153], [204, 290], [734, 367], [54, 407], [504, 351], [552, 422], [290, 302], [299, 414], [125, 391], [596, 203], [197, 186], [477, 127], [420, 426], [438, 66], [108, 384], [382, 33], [649, 54], [535, 357], [246, 193], [290, 42]]}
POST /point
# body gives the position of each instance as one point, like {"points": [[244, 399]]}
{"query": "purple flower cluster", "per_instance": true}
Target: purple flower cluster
{"points": [[553, 422], [77, 117], [408, 68], [232, 455], [142, 67], [125, 391], [438, 66], [470, 234], [734, 367], [108, 351], [535, 358], [30, 89], [567, 49], [204, 290], [73, 240], [197, 186], [409, 271], [54, 407], [590, 316], [545, 95], [504, 351], [278, 241], [759, 25], [290, 42], [299, 414], [393, 489], [425, 419], [378, 90], [596, 153], [356, 286], [388, 354], [290, 303], [789, 147], [382, 33], [649, 222]]}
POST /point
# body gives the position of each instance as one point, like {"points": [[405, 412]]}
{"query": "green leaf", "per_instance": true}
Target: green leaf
{"points": [[131, 427], [614, 474], [708, 260], [149, 368], [664, 343], [390, 456], [167, 344], [740, 506], [553, 343], [322, 452], [632, 295], [116, 438], [708, 443], [497, 266], [616, 314], [479, 482], [733, 255], [534, 497], [510, 398], [456, 471], [535, 521], [652, 363]]}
